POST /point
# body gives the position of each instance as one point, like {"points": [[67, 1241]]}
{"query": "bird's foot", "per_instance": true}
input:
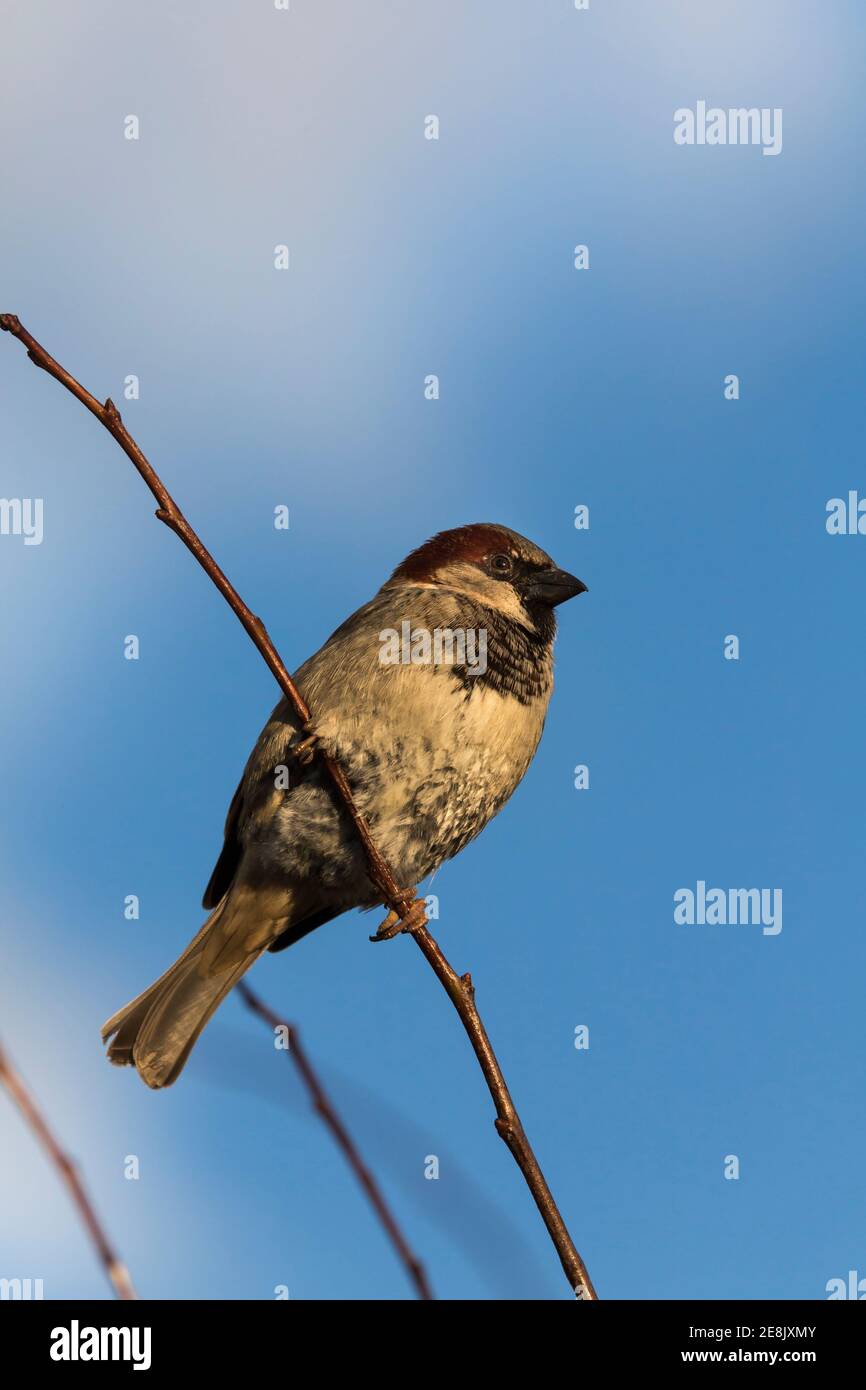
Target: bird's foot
{"points": [[304, 752], [414, 917]]}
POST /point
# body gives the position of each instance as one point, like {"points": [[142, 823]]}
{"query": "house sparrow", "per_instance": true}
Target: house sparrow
{"points": [[432, 697]]}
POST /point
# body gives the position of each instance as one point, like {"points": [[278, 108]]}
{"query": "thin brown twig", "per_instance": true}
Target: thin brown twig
{"points": [[114, 1267], [326, 1112], [399, 899]]}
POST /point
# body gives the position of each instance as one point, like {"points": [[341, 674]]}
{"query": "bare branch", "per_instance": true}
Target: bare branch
{"points": [[116, 1270], [461, 992], [399, 899], [325, 1110]]}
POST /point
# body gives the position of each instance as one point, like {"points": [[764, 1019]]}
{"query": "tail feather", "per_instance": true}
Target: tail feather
{"points": [[124, 1025], [156, 1032], [174, 1021]]}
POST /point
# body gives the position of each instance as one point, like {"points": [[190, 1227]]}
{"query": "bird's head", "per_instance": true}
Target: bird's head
{"points": [[494, 566]]}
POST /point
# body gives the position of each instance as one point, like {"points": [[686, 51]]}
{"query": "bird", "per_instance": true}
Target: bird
{"points": [[432, 697]]}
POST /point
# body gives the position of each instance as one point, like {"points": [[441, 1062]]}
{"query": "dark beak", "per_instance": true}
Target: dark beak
{"points": [[552, 587]]}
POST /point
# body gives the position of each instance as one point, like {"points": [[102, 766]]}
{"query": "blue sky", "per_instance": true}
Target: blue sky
{"points": [[557, 388]]}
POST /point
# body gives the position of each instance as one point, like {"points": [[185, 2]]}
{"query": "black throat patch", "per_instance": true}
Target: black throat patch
{"points": [[516, 661]]}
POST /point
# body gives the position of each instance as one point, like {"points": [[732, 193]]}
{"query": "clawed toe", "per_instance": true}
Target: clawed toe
{"points": [[414, 917], [305, 751]]}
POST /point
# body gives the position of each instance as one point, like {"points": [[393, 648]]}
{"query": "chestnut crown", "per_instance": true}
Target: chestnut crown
{"points": [[494, 564]]}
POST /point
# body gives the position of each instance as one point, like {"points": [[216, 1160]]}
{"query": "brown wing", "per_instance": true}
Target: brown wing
{"points": [[230, 856], [227, 865]]}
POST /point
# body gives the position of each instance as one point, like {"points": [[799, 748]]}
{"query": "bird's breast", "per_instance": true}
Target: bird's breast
{"points": [[430, 762], [432, 748]]}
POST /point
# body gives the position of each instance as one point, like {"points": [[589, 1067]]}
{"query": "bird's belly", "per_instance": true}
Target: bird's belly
{"points": [[425, 796], [429, 764]]}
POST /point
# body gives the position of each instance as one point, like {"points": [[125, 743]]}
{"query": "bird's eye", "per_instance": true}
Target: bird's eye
{"points": [[501, 564]]}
